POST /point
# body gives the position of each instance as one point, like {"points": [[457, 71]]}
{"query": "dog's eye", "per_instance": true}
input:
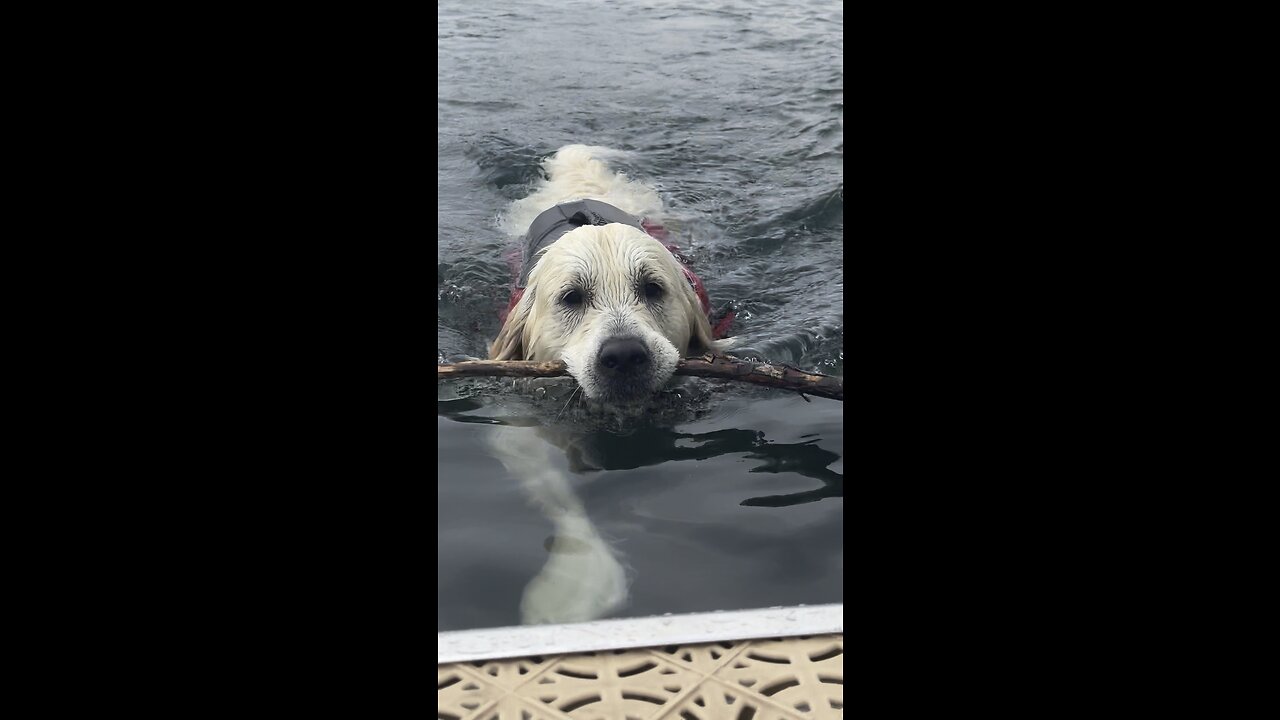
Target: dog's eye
{"points": [[652, 291], [573, 297]]}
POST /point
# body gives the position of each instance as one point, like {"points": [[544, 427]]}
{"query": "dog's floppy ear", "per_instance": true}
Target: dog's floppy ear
{"points": [[700, 340], [509, 345]]}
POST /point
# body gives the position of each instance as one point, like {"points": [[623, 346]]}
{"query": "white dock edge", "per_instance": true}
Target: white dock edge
{"points": [[522, 641]]}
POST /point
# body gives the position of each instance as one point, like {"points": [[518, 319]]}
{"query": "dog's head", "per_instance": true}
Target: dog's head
{"points": [[613, 304]]}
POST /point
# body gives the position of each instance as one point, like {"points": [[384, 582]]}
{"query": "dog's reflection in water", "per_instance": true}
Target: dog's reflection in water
{"points": [[583, 578]]}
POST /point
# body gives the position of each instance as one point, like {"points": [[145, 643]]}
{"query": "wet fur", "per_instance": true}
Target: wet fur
{"points": [[610, 265], [584, 577]]}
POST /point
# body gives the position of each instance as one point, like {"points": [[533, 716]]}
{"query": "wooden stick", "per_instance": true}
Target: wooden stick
{"points": [[712, 366]]}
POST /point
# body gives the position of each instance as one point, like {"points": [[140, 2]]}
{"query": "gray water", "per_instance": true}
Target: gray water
{"points": [[725, 496]]}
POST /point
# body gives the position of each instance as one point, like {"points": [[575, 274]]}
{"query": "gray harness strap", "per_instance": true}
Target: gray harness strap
{"points": [[554, 223]]}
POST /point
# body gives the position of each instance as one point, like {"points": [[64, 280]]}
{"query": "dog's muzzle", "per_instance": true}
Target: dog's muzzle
{"points": [[624, 369], [623, 358]]}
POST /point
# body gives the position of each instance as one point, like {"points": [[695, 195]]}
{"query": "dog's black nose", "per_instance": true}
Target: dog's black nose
{"points": [[623, 356]]}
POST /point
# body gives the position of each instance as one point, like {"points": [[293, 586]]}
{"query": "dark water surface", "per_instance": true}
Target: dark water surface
{"points": [[728, 496]]}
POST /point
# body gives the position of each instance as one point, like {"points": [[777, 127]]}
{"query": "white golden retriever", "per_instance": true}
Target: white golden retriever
{"points": [[597, 291], [600, 293]]}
